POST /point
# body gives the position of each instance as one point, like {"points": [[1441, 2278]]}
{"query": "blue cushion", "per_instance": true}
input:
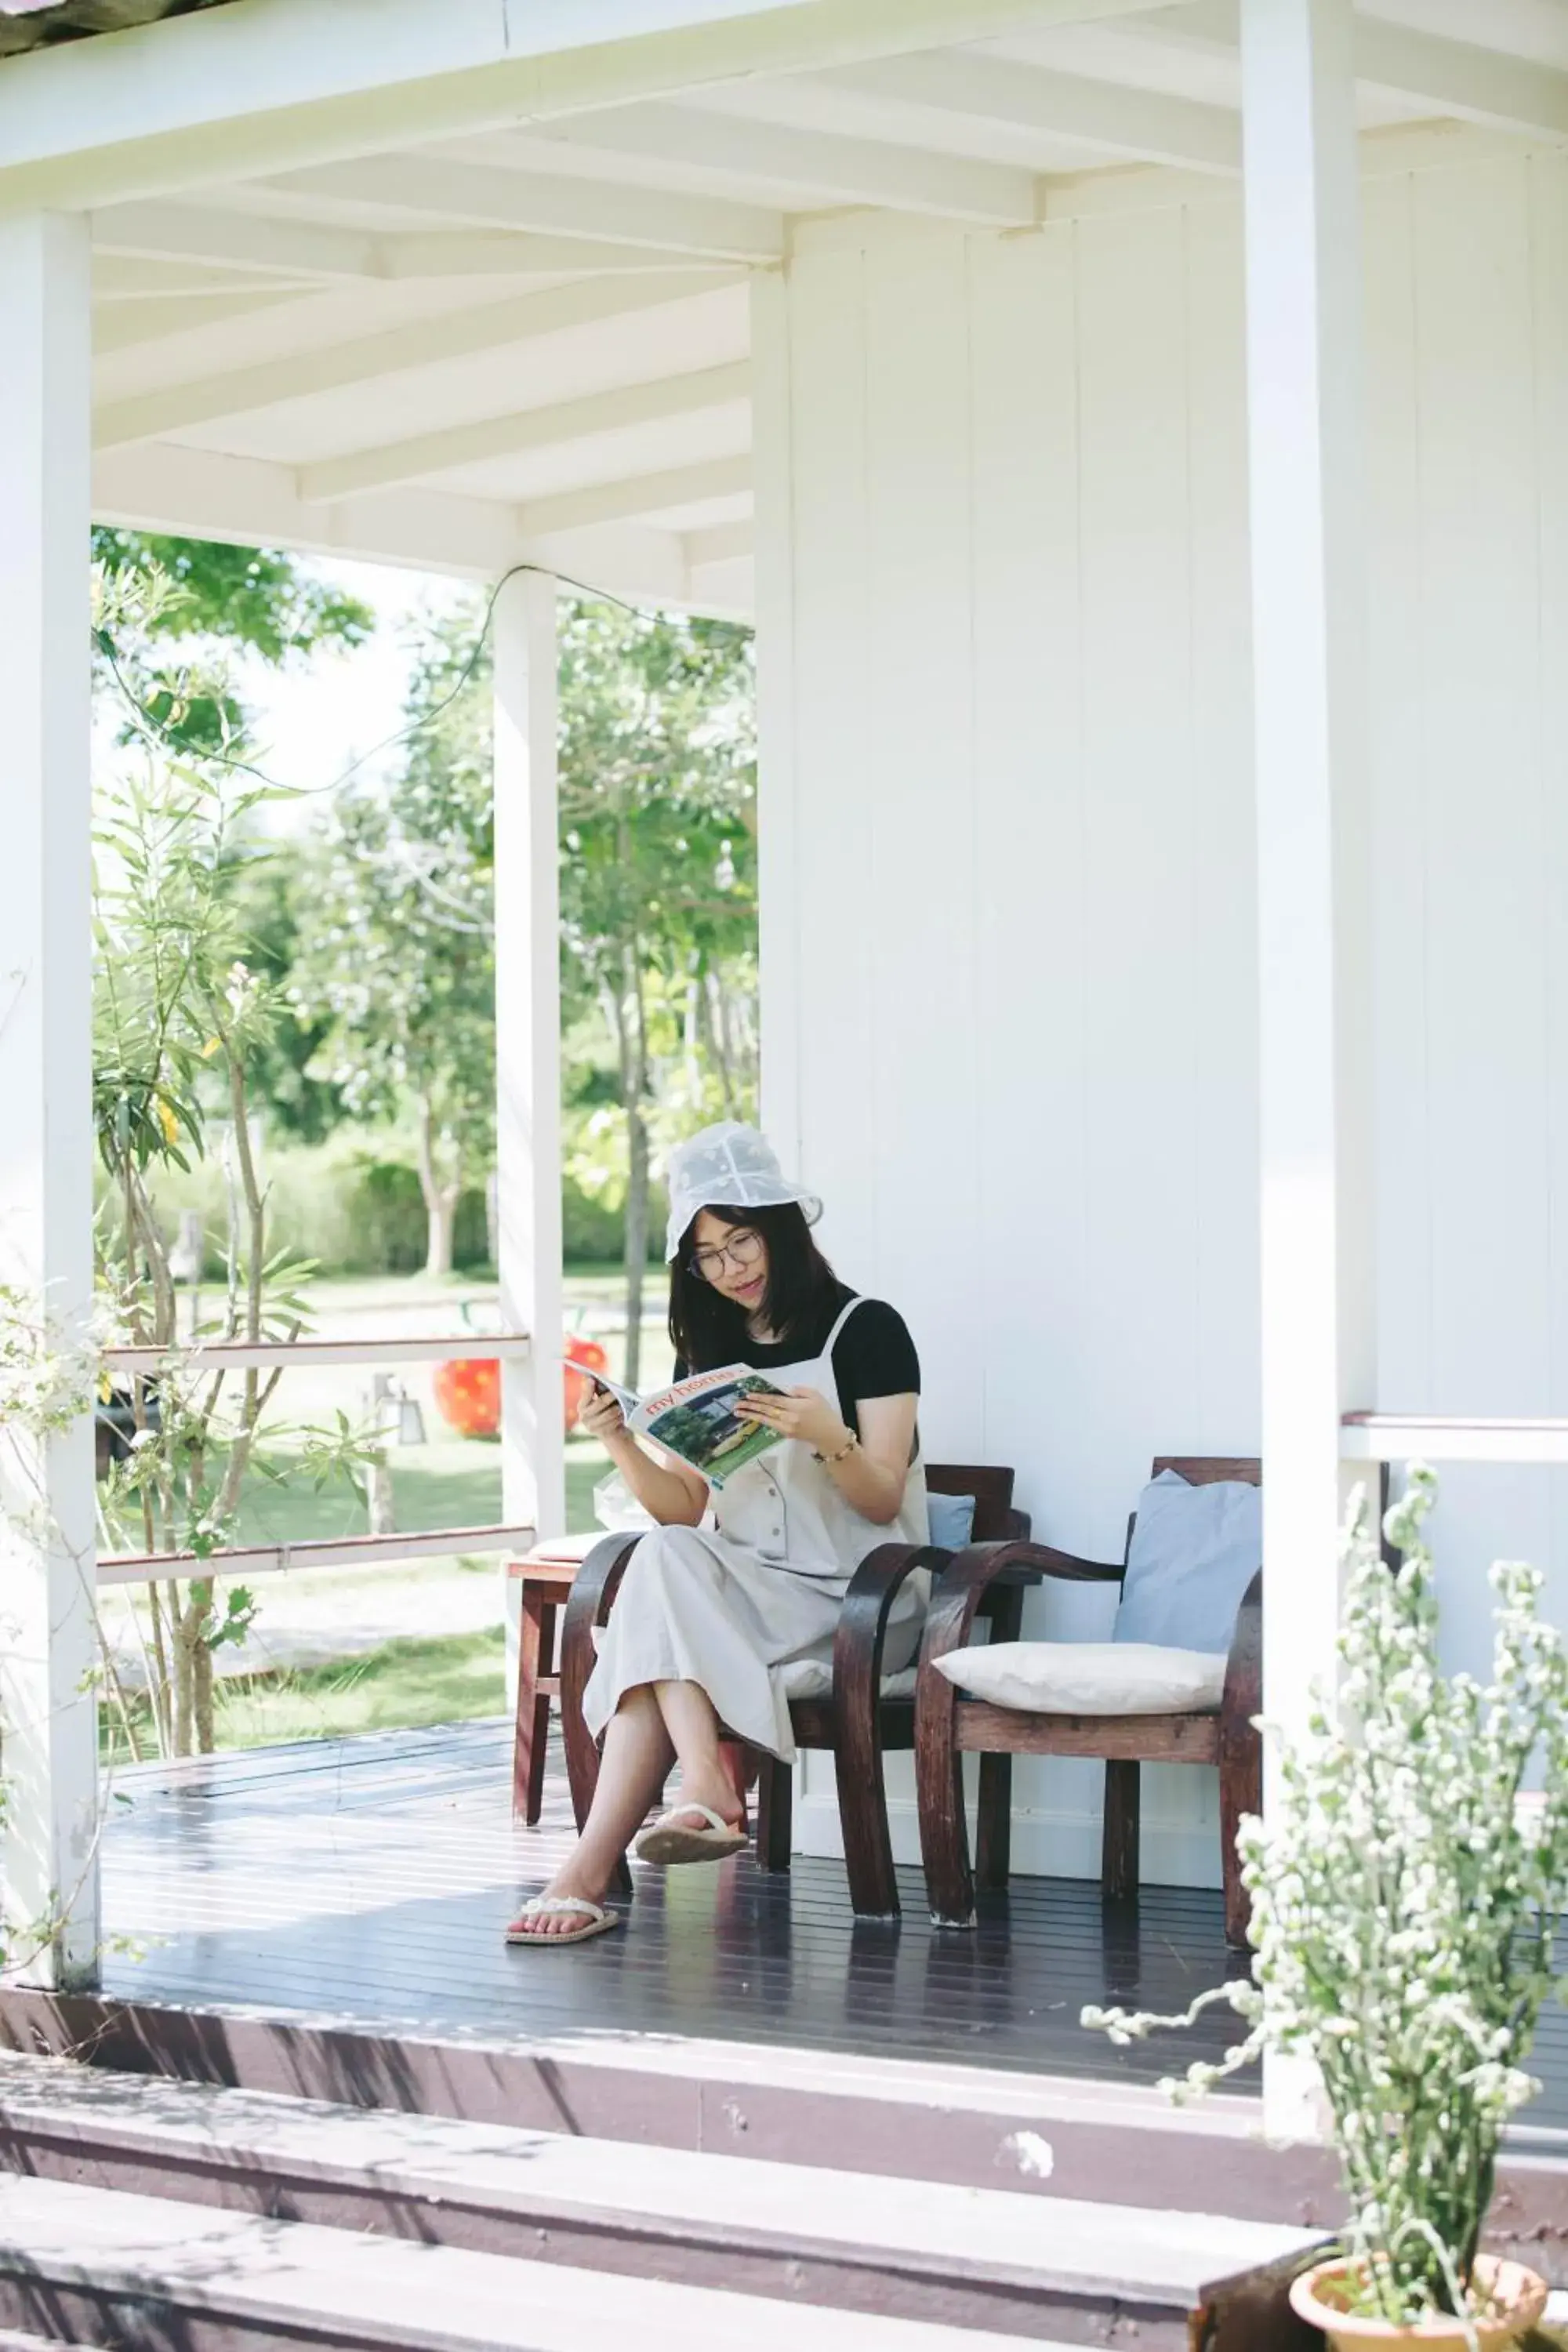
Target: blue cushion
{"points": [[1195, 1549], [951, 1520]]}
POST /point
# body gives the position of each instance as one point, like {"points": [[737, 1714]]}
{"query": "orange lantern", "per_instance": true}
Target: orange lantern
{"points": [[467, 1392]]}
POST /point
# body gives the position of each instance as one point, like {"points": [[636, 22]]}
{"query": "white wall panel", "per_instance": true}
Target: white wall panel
{"points": [[1020, 849]]}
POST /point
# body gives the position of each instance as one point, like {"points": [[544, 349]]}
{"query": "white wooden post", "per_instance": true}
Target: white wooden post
{"points": [[528, 1051], [1309, 590], [48, 1727]]}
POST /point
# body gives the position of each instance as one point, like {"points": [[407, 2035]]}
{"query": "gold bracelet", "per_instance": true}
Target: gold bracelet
{"points": [[830, 1460]]}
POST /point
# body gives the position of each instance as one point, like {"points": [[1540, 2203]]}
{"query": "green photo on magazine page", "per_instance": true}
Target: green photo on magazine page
{"points": [[697, 1421]]}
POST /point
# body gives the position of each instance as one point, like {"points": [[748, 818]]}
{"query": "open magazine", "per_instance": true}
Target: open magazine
{"points": [[696, 1419]]}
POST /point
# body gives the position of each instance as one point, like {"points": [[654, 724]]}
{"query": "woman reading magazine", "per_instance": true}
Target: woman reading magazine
{"points": [[708, 1617]]}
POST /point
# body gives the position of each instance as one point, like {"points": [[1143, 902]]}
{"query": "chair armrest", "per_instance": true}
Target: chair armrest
{"points": [[588, 1605], [863, 1619], [964, 1584], [1243, 1697]]}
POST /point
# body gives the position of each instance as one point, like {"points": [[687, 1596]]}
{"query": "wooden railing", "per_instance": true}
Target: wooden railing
{"points": [[326, 1551]]}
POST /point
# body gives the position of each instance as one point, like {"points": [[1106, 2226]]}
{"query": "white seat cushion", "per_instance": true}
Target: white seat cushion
{"points": [[1088, 1677], [813, 1678]]}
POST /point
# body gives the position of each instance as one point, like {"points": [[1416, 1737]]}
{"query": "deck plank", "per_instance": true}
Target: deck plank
{"points": [[367, 1882]]}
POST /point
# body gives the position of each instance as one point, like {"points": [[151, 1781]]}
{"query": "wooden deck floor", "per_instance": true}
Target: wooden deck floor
{"points": [[367, 1882]]}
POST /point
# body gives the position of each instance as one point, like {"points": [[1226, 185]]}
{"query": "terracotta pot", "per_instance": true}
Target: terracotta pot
{"points": [[467, 1390], [1516, 2298]]}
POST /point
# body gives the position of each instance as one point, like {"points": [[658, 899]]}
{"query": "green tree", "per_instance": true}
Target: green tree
{"points": [[399, 964], [253, 597], [658, 904], [179, 1019], [195, 593], [658, 870], [272, 888]]}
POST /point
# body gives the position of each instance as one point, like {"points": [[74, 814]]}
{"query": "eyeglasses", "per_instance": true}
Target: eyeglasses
{"points": [[741, 1251]]}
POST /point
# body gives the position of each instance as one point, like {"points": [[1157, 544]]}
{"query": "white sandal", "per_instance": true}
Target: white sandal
{"points": [[669, 1841], [597, 1920]]}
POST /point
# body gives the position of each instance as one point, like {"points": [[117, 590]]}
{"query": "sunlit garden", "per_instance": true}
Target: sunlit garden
{"points": [[295, 1104]]}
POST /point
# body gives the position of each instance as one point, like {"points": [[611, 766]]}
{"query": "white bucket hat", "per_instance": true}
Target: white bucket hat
{"points": [[730, 1166]]}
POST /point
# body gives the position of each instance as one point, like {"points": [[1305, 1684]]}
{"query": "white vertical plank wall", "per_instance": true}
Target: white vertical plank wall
{"points": [[528, 1049], [1018, 847], [48, 1734]]}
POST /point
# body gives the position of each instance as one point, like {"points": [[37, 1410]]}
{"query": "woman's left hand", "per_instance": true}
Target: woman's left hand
{"points": [[804, 1413]]}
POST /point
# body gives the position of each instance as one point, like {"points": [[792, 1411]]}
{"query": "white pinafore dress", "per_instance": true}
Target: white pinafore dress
{"points": [[732, 1607]]}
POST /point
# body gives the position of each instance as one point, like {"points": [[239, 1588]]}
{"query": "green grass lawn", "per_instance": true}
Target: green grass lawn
{"points": [[450, 1482], [405, 1686], [454, 1483]]}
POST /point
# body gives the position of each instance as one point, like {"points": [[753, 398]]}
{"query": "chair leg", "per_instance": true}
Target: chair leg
{"points": [[1240, 1792], [1003, 1609], [775, 1814], [939, 1786], [549, 1623], [994, 1843], [1119, 1864], [528, 1733], [583, 1762]]}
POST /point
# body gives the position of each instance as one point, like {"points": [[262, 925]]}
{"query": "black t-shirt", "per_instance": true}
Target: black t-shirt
{"points": [[873, 1356]]}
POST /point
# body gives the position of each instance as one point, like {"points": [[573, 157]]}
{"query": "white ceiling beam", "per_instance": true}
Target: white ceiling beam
{"points": [[725, 542], [228, 93], [821, 166], [268, 244], [1452, 77], [528, 428], [202, 494], [643, 494], [174, 408], [127, 324], [1477, 84], [129, 277], [485, 197], [1109, 116], [283, 249], [503, 253]]}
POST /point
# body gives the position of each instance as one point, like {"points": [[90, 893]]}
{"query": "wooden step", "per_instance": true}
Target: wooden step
{"points": [[83, 2264], [908, 2248], [13, 2339], [970, 2126]]}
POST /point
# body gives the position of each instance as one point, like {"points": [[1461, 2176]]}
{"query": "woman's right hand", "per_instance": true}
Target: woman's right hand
{"points": [[601, 1417]]}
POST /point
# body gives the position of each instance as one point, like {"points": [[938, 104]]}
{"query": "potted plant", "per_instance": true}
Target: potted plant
{"points": [[1405, 1895]]}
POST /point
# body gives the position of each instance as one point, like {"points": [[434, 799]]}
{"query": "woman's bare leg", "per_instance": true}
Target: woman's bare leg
{"points": [[637, 1758], [693, 1728]]}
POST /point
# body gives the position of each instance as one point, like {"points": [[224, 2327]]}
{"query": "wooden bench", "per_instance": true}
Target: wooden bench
{"points": [[948, 1725], [857, 1722]]}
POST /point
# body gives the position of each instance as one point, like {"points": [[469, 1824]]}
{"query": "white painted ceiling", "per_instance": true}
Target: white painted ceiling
{"points": [[540, 339]]}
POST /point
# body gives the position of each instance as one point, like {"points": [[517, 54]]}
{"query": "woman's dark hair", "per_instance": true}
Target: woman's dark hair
{"points": [[707, 1330]]}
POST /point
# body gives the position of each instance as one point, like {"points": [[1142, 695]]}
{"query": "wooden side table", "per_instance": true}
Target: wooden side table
{"points": [[546, 1575]]}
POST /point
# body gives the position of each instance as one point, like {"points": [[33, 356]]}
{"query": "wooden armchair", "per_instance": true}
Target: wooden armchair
{"points": [[857, 1721], [948, 1725]]}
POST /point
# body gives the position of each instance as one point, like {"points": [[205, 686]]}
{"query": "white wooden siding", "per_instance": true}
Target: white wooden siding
{"points": [[1015, 849]]}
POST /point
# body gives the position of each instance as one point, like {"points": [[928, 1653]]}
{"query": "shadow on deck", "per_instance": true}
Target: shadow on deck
{"points": [[363, 1885], [368, 1881]]}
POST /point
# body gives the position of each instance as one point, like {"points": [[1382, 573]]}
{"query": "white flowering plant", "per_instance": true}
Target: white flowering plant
{"points": [[1404, 1909]]}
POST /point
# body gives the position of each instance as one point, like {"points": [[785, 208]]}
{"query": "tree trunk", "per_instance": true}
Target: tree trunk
{"points": [[440, 1199], [635, 1071], [442, 1209], [719, 1032], [202, 1682], [637, 1236]]}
